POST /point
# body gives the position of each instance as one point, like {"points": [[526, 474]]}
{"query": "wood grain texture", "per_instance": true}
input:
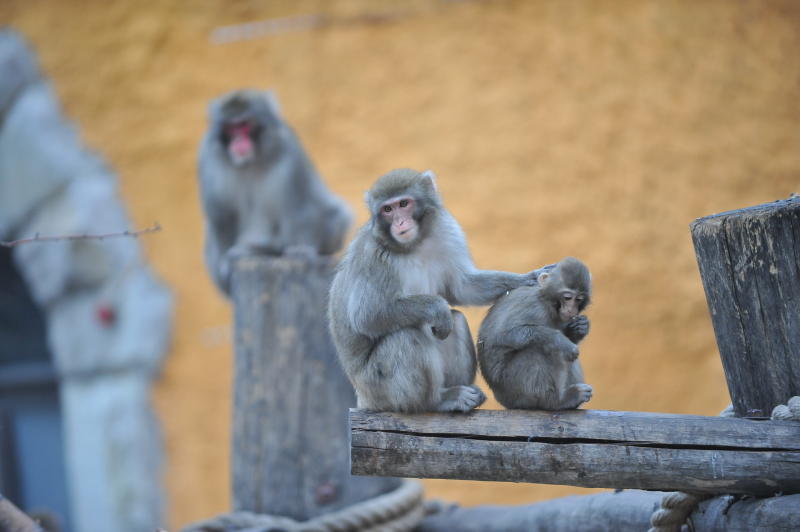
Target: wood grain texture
{"points": [[734, 514], [582, 448], [290, 437], [626, 511], [749, 261]]}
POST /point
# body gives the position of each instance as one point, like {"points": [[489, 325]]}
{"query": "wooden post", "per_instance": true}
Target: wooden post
{"points": [[290, 434], [750, 265], [588, 448]]}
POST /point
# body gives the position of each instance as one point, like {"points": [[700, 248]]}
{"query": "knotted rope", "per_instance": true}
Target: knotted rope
{"points": [[400, 510]]}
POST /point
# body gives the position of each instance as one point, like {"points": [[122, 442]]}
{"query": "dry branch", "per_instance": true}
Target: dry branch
{"points": [[85, 236]]}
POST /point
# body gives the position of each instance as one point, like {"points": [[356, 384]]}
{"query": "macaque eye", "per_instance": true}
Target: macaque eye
{"points": [[387, 208], [567, 297], [404, 203]]}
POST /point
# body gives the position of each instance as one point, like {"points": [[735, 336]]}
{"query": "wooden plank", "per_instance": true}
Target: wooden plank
{"points": [[290, 436], [590, 425], [748, 261], [582, 448]]}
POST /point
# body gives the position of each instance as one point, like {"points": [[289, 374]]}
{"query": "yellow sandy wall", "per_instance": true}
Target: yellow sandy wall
{"points": [[598, 129]]}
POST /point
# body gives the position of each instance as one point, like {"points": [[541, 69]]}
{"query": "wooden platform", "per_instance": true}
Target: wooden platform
{"points": [[588, 448]]}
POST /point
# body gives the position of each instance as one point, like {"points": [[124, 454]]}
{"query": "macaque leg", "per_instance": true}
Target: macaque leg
{"points": [[459, 363], [459, 366], [402, 374]]}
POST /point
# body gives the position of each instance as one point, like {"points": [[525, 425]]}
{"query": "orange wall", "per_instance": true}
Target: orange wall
{"points": [[597, 129]]}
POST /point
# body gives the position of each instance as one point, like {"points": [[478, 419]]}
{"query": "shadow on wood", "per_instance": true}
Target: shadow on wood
{"points": [[588, 448], [290, 438]]}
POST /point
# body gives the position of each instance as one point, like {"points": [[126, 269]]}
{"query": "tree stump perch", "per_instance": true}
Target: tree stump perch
{"points": [[290, 435], [750, 265]]}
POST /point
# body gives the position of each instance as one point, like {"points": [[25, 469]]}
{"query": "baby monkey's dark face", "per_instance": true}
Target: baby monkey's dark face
{"points": [[571, 303]]}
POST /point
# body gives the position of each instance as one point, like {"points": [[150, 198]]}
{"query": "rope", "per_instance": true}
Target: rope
{"points": [[400, 510]]}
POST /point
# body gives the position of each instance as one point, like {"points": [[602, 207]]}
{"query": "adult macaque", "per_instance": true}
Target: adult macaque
{"points": [[402, 346], [260, 191], [527, 344]]}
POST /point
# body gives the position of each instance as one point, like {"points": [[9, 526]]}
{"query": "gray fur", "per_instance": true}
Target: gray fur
{"points": [[273, 203], [528, 353], [401, 345]]}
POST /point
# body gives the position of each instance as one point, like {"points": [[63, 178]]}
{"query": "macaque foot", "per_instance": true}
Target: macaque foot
{"points": [[301, 251], [577, 394], [249, 249], [461, 399]]}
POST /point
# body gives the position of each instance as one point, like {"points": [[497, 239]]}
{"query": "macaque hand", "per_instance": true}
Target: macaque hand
{"points": [[532, 277], [577, 328], [442, 322]]}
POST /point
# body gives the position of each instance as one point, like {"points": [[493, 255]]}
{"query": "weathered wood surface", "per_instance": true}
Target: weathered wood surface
{"points": [[582, 448], [290, 435], [627, 511], [733, 514], [750, 265]]}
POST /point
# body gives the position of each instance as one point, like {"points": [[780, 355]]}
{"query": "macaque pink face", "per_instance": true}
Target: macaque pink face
{"points": [[399, 213], [240, 146]]}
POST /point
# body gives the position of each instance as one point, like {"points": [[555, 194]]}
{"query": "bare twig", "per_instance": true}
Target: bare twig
{"points": [[37, 238]]}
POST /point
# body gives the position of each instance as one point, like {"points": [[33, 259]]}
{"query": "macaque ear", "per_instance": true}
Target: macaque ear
{"points": [[543, 277], [429, 176], [272, 102]]}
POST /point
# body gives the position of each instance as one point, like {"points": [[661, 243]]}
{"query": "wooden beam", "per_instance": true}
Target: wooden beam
{"points": [[748, 261], [588, 448]]}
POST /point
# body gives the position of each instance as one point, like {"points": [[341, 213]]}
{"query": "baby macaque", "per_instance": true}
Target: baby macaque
{"points": [[527, 344]]}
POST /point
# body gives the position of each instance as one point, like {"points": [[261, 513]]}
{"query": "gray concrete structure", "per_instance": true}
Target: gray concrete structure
{"points": [[108, 317]]}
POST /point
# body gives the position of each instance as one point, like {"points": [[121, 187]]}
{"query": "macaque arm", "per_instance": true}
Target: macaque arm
{"points": [[548, 339], [484, 287], [375, 315]]}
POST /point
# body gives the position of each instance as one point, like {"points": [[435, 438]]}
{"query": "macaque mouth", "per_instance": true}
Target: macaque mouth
{"points": [[240, 135]]}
